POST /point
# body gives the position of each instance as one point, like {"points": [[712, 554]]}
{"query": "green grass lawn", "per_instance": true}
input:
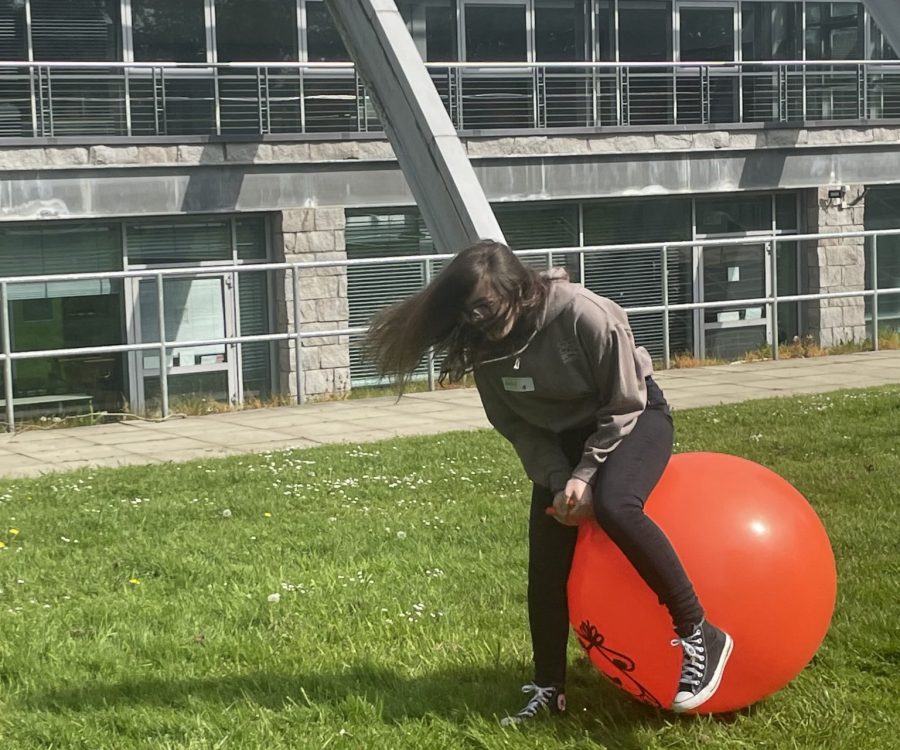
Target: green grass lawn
{"points": [[373, 597]]}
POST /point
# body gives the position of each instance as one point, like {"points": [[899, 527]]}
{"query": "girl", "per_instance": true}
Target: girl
{"points": [[560, 377]]}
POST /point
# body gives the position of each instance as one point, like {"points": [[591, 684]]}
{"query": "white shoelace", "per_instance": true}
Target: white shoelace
{"points": [[694, 664], [539, 700]]}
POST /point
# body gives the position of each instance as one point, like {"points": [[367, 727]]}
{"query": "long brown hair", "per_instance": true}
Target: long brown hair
{"points": [[400, 335]]}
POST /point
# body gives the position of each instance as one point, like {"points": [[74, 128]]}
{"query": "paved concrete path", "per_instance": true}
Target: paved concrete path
{"points": [[36, 452]]}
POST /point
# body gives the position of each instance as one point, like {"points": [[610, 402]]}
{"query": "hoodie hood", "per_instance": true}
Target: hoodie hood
{"points": [[559, 296]]}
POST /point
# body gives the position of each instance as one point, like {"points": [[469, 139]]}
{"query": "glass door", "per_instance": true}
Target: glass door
{"points": [[708, 32], [734, 273], [497, 31], [196, 308]]}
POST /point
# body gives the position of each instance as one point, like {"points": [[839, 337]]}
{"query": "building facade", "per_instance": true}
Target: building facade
{"points": [[146, 136]]}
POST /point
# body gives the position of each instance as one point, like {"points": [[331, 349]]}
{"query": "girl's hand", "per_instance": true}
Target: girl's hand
{"points": [[574, 504]]}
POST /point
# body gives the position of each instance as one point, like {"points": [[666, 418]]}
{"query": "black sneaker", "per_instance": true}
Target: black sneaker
{"points": [[706, 653], [544, 699]]}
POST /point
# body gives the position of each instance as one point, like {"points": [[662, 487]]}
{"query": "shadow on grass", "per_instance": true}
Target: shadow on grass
{"points": [[597, 708]]}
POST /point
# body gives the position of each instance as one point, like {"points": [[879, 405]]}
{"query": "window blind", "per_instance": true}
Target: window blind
{"points": [[75, 30], [182, 242], [37, 251], [256, 364]]}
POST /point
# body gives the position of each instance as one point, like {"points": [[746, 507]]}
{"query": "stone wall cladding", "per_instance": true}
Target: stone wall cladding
{"points": [[19, 158], [836, 265], [313, 234]]}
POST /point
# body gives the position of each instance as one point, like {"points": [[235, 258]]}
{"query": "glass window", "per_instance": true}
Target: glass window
{"points": [[529, 227], [645, 31], [65, 315], [606, 36], [169, 30], [323, 43], [734, 215], [182, 242], [879, 47], [256, 30], [76, 30], [256, 357], [834, 31], [707, 34], [883, 212], [15, 89], [496, 33], [432, 25], [559, 30], [631, 221], [370, 234], [440, 33], [771, 31], [13, 42], [786, 212], [250, 236], [634, 277]]}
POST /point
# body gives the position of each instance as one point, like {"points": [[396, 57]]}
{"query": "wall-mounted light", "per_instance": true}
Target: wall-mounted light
{"points": [[837, 195]]}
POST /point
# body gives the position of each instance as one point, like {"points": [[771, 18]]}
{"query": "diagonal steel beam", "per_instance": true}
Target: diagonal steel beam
{"points": [[427, 146]]}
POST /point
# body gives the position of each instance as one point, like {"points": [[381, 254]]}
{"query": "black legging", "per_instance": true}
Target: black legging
{"points": [[623, 483]]}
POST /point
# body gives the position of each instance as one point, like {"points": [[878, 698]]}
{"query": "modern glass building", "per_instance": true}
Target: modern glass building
{"points": [[156, 135]]}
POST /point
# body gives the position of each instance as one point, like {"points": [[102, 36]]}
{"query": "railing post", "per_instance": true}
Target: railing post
{"points": [[875, 343], [298, 342], [50, 103], [259, 102], [155, 102], [302, 82], [537, 88], [667, 344], [162, 89], [7, 360], [782, 94], [772, 251], [705, 96], [34, 100], [803, 86], [622, 93], [362, 111], [428, 275], [163, 349], [460, 112], [127, 102], [675, 96], [863, 107], [217, 100]]}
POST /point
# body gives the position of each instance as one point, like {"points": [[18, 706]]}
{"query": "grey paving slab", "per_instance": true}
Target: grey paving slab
{"points": [[126, 436], [365, 420], [43, 442], [191, 454], [54, 457], [12, 463], [319, 431], [173, 444], [391, 421]]}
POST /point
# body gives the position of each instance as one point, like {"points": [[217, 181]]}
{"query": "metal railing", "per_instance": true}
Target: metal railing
{"points": [[545, 257], [57, 99]]}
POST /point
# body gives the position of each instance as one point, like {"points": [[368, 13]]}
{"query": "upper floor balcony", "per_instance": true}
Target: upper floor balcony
{"points": [[82, 100]]}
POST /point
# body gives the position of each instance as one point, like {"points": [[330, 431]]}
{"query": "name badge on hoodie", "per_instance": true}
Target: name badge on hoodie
{"points": [[518, 385]]}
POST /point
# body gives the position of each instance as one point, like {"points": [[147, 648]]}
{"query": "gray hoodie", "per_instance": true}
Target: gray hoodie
{"points": [[580, 368]]}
